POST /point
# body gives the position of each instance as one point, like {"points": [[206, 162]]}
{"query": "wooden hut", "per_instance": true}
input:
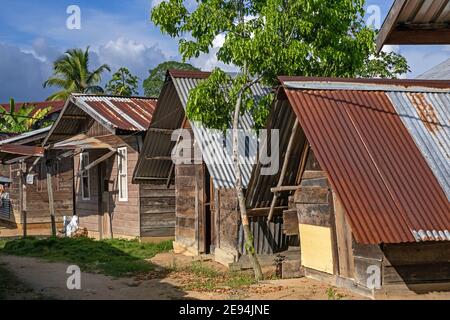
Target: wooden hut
{"points": [[104, 134], [27, 169], [367, 179], [207, 215]]}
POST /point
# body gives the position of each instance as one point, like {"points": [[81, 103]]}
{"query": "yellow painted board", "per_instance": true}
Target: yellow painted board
{"points": [[316, 247]]}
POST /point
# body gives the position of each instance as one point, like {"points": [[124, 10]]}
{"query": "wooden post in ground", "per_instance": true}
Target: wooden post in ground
{"points": [[21, 200], [51, 204]]}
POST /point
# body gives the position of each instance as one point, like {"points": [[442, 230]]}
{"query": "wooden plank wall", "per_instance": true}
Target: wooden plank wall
{"points": [[189, 184], [157, 208], [125, 214], [416, 263]]}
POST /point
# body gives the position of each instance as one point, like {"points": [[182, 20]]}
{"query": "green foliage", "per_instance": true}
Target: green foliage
{"points": [[265, 39], [72, 75], [123, 83], [111, 257], [384, 65], [20, 120], [332, 294], [153, 84]]}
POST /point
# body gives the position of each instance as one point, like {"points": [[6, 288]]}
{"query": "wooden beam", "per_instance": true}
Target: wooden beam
{"points": [[51, 204], [419, 37], [167, 158], [284, 189], [304, 159], [97, 161], [21, 201], [263, 211], [163, 131], [287, 156], [389, 23], [74, 117]]}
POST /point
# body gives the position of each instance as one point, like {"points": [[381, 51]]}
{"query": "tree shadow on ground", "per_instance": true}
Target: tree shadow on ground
{"points": [[111, 269]]}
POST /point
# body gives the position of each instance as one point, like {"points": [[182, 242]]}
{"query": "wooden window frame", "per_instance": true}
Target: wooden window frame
{"points": [[123, 193], [85, 174]]}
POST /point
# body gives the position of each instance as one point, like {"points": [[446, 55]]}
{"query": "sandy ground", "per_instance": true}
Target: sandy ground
{"points": [[49, 280]]}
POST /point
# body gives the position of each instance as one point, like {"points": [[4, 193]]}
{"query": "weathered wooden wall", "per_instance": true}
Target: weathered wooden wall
{"points": [[157, 208], [125, 218], [189, 192], [35, 203]]}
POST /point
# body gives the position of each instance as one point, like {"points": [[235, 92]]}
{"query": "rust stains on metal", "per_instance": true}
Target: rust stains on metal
{"points": [[425, 110], [388, 191], [22, 150]]}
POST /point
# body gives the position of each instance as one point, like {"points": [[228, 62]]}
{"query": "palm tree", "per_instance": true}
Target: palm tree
{"points": [[21, 120], [71, 74]]}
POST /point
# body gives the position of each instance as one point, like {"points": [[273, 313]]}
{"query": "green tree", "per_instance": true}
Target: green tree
{"points": [[263, 39], [384, 65], [153, 84], [21, 119], [71, 73], [123, 83]]}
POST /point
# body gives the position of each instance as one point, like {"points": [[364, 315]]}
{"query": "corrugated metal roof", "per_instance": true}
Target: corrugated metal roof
{"points": [[416, 22], [427, 118], [439, 72], [173, 101], [130, 114], [21, 150], [386, 186], [27, 137], [56, 106]]}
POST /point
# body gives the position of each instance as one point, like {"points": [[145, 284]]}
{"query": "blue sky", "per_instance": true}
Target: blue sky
{"points": [[34, 33]]}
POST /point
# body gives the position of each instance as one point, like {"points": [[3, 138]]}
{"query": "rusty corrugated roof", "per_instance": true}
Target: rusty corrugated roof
{"points": [[388, 190], [131, 114], [117, 114], [21, 150], [55, 106]]}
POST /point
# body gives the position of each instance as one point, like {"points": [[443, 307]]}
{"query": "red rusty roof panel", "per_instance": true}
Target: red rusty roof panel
{"points": [[131, 114], [384, 183], [55, 105], [22, 150]]}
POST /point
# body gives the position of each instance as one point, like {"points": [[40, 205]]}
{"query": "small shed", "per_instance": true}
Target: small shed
{"points": [[26, 166], [369, 188], [207, 215], [104, 136]]}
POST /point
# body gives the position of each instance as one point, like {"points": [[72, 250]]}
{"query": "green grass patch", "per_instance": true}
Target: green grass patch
{"points": [[111, 257], [205, 278]]}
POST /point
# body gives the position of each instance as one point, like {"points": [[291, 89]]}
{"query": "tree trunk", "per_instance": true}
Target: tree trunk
{"points": [[249, 246]]}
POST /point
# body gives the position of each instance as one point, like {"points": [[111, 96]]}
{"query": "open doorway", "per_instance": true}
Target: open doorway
{"points": [[208, 213]]}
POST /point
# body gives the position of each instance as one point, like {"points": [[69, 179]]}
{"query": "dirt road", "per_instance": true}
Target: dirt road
{"points": [[50, 280]]}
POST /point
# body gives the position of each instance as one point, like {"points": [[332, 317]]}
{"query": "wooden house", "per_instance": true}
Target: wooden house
{"points": [[104, 136], [367, 180], [207, 215], [24, 165]]}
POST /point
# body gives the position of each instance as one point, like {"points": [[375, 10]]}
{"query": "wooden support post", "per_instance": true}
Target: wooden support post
{"points": [[21, 200], [284, 168], [169, 178], [51, 204]]}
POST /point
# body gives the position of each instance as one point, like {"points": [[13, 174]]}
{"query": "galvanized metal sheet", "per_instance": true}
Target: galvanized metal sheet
{"points": [[427, 118], [217, 149], [439, 72], [386, 186]]}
